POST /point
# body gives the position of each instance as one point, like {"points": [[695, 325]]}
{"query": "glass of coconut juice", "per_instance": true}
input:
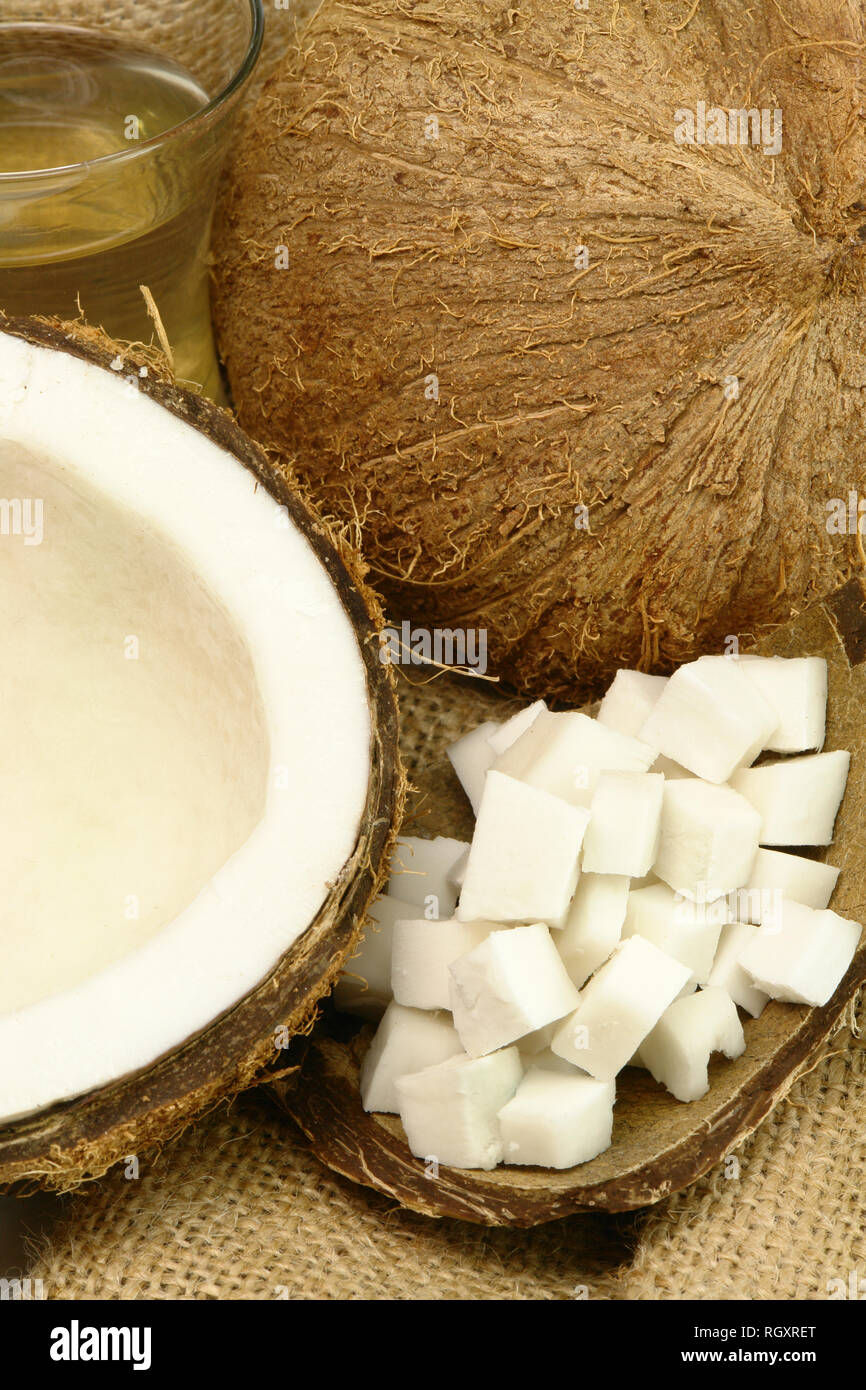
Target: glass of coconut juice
{"points": [[114, 121]]}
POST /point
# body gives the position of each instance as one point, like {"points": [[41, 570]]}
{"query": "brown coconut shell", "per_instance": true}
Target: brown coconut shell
{"points": [[613, 465], [81, 1138], [659, 1145]]}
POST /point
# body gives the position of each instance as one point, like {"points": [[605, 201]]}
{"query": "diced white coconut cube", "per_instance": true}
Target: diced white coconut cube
{"points": [[593, 926], [421, 872], [450, 1112], [407, 1040], [471, 757], [710, 718], [524, 859], [555, 1120], [564, 753], [776, 875], [677, 1051], [624, 824], [728, 974], [364, 988], [629, 701], [421, 954], [709, 839], [803, 960], [512, 984], [510, 731], [796, 687], [621, 1004], [797, 798], [688, 931]]}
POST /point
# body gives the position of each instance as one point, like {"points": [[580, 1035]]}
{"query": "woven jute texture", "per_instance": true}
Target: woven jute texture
{"points": [[209, 37], [238, 1209]]}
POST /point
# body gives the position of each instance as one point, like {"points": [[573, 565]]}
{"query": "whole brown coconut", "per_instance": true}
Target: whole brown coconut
{"points": [[578, 381]]}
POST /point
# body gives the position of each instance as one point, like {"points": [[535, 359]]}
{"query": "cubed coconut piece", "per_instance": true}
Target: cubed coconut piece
{"points": [[512, 984], [677, 1051], [797, 798], [709, 839], [776, 875], [593, 927], [621, 1004], [803, 959], [710, 718], [421, 872], [450, 1111], [557, 1120], [364, 988], [471, 758], [728, 974], [407, 1040], [689, 931], [796, 687], [625, 823], [421, 954], [564, 753], [629, 701], [510, 731], [524, 860]]}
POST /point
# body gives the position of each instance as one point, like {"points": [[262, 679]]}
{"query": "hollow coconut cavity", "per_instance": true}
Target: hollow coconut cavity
{"points": [[563, 309], [197, 761]]}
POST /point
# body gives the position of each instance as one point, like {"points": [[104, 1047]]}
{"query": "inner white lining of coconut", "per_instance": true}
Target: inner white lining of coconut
{"points": [[171, 813]]}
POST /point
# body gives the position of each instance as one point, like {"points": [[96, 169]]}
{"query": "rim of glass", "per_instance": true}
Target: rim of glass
{"points": [[237, 80]]}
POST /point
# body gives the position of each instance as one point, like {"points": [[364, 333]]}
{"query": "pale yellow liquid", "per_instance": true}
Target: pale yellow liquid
{"points": [[84, 239]]}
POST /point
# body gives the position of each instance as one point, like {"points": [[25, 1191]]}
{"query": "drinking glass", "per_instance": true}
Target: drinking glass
{"points": [[98, 204]]}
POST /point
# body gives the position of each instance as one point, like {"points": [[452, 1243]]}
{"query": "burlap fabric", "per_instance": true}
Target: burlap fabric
{"points": [[237, 1208], [209, 37]]}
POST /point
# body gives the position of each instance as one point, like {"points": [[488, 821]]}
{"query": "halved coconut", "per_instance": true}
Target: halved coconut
{"points": [[198, 768]]}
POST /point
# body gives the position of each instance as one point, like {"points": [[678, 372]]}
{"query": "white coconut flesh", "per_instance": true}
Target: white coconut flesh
{"points": [[185, 734], [605, 928]]}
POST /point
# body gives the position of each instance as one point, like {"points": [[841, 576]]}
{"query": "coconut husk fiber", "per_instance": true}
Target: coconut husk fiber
{"points": [[237, 1207], [502, 348]]}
